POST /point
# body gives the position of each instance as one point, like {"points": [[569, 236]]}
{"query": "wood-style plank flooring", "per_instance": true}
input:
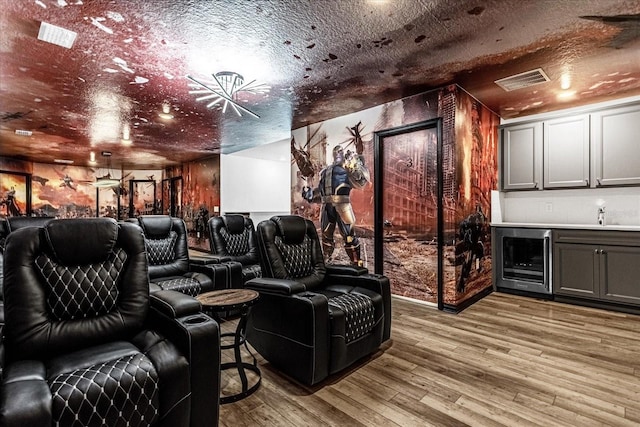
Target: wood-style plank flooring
{"points": [[504, 361]]}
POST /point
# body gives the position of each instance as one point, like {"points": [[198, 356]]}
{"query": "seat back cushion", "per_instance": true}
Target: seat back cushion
{"points": [[73, 283], [290, 249], [167, 247], [234, 235]]}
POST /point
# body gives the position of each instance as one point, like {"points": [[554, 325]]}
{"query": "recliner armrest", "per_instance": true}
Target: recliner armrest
{"points": [[25, 398], [208, 259], [275, 286], [174, 304], [349, 270], [197, 336]]}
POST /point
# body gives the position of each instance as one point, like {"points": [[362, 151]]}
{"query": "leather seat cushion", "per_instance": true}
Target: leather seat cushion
{"points": [[358, 311], [354, 312], [112, 384], [186, 285]]}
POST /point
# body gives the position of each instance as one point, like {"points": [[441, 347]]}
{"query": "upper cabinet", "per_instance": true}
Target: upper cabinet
{"points": [[615, 138], [522, 157], [588, 150], [566, 152]]}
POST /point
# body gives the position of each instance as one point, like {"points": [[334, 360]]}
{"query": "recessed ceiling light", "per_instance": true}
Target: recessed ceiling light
{"points": [[63, 161], [56, 35], [166, 111]]}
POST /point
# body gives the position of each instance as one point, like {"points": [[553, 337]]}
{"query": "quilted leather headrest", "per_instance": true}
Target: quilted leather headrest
{"points": [[234, 223], [156, 226], [81, 241], [16, 222], [291, 228]]}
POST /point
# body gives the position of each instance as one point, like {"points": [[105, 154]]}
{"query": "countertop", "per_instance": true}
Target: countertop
{"points": [[612, 227]]}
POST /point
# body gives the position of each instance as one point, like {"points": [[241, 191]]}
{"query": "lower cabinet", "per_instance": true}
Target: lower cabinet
{"points": [[601, 265]]}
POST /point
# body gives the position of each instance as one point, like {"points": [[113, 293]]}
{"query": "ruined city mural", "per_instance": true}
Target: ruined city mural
{"points": [[63, 191], [14, 200], [200, 198], [67, 191], [410, 198]]}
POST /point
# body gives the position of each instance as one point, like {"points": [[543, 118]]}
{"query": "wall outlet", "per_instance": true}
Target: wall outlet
{"points": [[548, 207]]}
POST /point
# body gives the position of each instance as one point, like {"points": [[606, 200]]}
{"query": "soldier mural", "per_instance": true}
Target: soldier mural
{"points": [[347, 172]]}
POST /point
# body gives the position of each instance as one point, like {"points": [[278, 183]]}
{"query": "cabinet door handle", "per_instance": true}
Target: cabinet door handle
{"points": [[597, 251], [586, 182], [599, 182], [535, 184]]}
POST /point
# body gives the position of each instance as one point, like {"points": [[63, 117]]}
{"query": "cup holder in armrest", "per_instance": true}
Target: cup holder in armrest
{"points": [[196, 320]]}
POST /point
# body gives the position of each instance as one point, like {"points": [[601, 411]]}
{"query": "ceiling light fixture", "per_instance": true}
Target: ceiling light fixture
{"points": [[225, 87], [106, 181], [63, 161], [23, 132]]}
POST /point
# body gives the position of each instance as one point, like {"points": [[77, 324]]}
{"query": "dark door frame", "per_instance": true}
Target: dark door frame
{"points": [[378, 189]]}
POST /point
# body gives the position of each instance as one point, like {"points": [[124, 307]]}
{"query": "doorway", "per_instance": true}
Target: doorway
{"points": [[408, 236]]}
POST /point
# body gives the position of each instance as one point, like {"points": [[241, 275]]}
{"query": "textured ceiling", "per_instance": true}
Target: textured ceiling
{"points": [[322, 59]]}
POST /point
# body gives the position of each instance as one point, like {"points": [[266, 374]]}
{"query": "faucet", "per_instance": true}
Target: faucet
{"points": [[601, 215]]}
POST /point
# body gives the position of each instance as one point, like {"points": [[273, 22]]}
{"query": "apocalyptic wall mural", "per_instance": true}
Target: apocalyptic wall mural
{"points": [[15, 193], [67, 191], [200, 198], [333, 180]]}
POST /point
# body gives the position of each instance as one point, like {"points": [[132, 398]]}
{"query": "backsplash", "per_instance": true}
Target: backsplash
{"points": [[576, 206]]}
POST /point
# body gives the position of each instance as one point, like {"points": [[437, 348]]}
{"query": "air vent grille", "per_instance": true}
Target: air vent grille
{"points": [[56, 35], [523, 80]]}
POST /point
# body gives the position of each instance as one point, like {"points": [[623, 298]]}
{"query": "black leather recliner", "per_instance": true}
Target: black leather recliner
{"points": [[313, 320], [7, 225], [234, 236], [85, 344], [168, 253]]}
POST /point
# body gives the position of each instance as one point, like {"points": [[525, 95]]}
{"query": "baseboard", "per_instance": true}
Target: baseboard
{"points": [[455, 309], [622, 308]]}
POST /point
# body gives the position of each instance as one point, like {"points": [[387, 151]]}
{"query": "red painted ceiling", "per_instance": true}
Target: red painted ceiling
{"points": [[321, 58]]}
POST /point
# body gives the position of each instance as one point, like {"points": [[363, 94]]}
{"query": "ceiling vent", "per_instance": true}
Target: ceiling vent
{"points": [[522, 80], [56, 35]]}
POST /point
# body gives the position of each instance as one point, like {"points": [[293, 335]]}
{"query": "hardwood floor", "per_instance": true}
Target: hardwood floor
{"points": [[505, 361]]}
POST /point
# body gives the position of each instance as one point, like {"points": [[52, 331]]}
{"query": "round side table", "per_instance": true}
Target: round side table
{"points": [[235, 299]]}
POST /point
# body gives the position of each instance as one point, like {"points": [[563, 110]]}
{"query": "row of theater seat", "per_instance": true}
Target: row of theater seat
{"points": [[312, 319]]}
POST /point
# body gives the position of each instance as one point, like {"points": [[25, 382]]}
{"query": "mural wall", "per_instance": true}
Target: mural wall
{"points": [[469, 156], [192, 190], [200, 198]]}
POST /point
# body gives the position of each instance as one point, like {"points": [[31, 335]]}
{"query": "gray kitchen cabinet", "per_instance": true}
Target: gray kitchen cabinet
{"points": [[521, 154], [575, 271], [597, 265], [615, 146], [566, 152]]}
